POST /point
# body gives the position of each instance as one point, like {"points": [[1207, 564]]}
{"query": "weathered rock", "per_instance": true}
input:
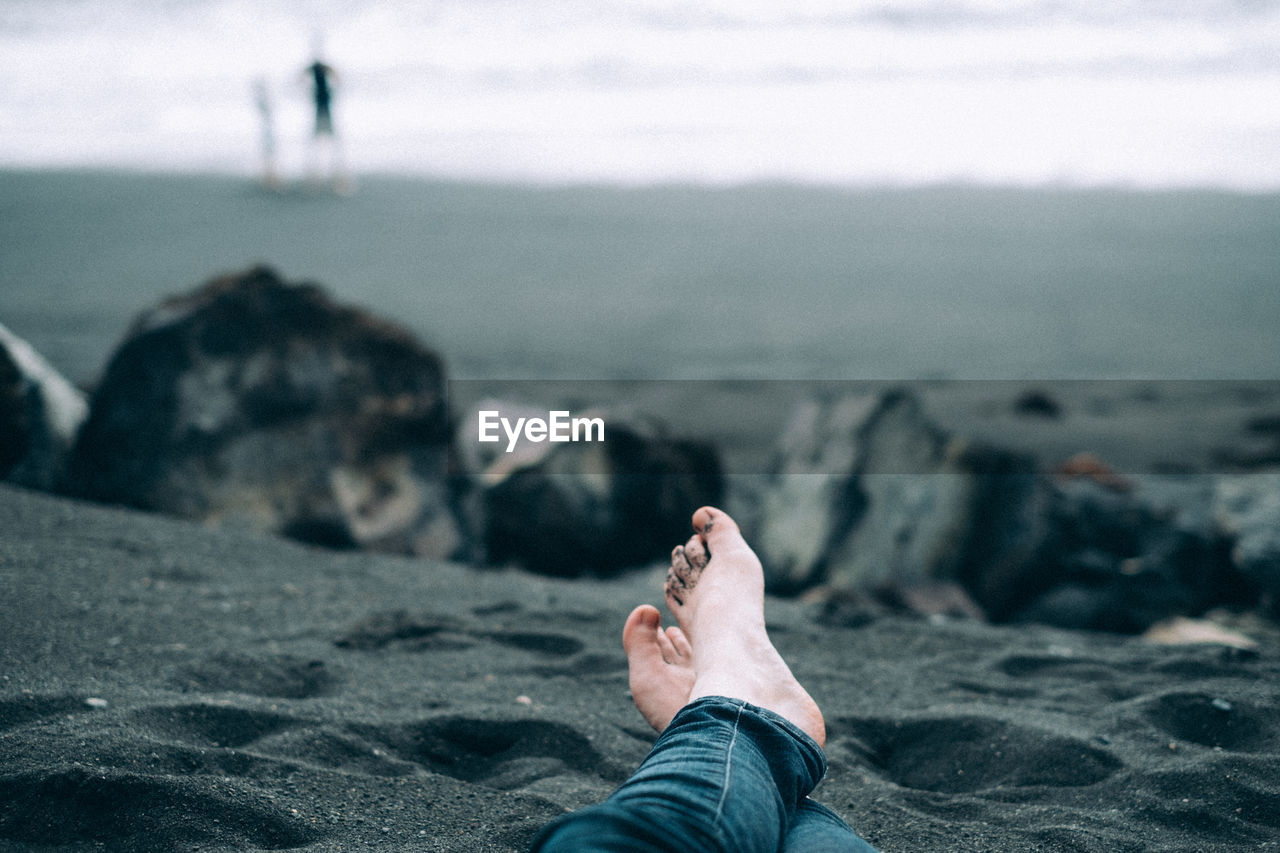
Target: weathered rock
{"points": [[256, 401], [40, 413], [1181, 631], [803, 511], [1122, 561], [600, 507], [1038, 403], [866, 492], [869, 497], [1247, 507]]}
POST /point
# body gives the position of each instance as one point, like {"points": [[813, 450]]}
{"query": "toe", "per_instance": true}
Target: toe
{"points": [[641, 627], [696, 554], [679, 642], [679, 559], [705, 518], [669, 652], [674, 589], [678, 576], [718, 530]]}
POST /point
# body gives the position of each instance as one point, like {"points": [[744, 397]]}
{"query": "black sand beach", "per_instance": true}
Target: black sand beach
{"points": [[171, 687], [166, 685]]}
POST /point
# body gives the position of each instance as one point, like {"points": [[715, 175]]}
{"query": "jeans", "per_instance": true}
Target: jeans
{"points": [[724, 776]]}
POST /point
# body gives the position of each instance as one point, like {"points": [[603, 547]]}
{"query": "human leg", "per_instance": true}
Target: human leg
{"points": [[817, 829], [727, 773], [724, 776]]}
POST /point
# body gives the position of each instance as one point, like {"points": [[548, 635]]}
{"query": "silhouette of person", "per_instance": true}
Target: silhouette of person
{"points": [[324, 81]]}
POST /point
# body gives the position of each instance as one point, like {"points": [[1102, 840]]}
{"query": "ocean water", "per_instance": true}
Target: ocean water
{"points": [[1180, 93]]}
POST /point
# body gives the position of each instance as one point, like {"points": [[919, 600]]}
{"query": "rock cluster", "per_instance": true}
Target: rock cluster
{"points": [[1115, 560], [259, 402], [866, 495]]}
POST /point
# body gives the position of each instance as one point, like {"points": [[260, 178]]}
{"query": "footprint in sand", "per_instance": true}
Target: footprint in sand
{"points": [[276, 677], [21, 710], [427, 632], [246, 741], [956, 755], [1213, 721], [555, 645], [503, 754], [1036, 674], [420, 632], [583, 666], [122, 810], [1055, 666], [213, 725]]}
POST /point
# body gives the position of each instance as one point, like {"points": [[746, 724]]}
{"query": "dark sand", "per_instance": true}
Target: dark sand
{"points": [[170, 687], [670, 282]]}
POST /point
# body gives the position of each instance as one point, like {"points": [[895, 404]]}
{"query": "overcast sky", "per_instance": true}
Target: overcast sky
{"points": [[894, 91]]}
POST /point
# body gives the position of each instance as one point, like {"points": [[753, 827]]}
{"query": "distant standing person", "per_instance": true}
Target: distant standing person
{"points": [[323, 79], [323, 82]]}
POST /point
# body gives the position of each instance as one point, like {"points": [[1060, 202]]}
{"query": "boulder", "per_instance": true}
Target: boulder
{"points": [[259, 402], [801, 510], [40, 412], [866, 492], [1036, 402], [1247, 508], [596, 508], [1122, 561]]}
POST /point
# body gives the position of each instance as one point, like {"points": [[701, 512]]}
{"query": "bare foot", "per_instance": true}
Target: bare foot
{"points": [[661, 664], [716, 590]]}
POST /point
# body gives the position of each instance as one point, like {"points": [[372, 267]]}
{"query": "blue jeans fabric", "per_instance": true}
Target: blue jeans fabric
{"points": [[725, 775]]}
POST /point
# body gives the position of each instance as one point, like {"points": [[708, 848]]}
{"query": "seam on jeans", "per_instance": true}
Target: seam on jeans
{"points": [[728, 766]]}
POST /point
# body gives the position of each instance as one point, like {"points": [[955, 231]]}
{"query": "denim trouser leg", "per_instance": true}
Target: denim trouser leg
{"points": [[817, 829], [724, 776]]}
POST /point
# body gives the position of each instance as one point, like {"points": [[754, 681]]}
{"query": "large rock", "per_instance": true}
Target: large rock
{"points": [[866, 492], [597, 508], [802, 510], [1122, 559], [40, 412], [1247, 507], [255, 401]]}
